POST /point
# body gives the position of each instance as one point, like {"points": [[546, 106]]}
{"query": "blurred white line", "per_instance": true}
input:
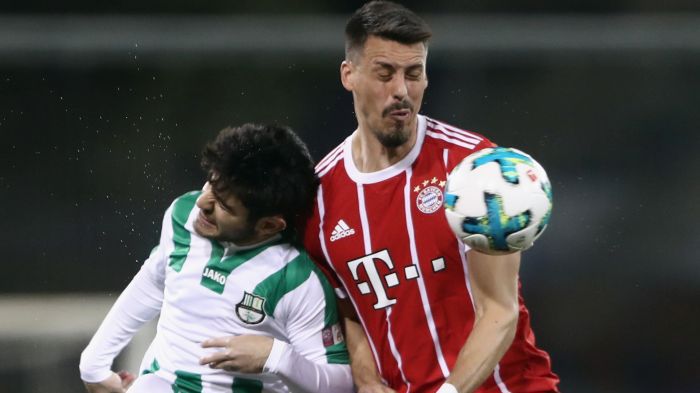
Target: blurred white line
{"points": [[115, 38]]}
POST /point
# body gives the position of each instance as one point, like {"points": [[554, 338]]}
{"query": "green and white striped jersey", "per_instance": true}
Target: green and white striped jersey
{"points": [[212, 290]]}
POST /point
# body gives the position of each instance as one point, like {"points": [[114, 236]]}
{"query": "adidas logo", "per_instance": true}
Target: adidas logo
{"points": [[341, 230]]}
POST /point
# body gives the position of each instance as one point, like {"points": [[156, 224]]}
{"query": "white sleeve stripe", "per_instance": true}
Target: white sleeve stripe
{"points": [[455, 129], [454, 134], [330, 157], [330, 165], [450, 140]]}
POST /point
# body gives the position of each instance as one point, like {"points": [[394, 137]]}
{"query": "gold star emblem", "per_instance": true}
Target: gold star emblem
{"points": [[442, 183], [416, 189], [433, 180], [425, 183]]}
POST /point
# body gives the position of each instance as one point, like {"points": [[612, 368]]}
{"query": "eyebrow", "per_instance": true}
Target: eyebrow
{"points": [[385, 65]]}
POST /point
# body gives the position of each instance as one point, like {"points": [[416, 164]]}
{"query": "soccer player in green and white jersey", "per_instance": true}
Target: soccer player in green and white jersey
{"points": [[242, 307]]}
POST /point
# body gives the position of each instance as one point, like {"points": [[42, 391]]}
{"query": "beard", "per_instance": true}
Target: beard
{"points": [[396, 137], [239, 236], [398, 133]]}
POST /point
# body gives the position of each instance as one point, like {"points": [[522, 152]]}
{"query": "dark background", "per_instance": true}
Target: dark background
{"points": [[97, 142]]}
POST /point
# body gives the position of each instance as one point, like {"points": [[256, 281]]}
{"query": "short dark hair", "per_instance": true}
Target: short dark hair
{"points": [[268, 168], [386, 20]]}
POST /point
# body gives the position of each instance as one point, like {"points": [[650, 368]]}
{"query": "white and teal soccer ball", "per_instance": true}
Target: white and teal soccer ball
{"points": [[498, 200]]}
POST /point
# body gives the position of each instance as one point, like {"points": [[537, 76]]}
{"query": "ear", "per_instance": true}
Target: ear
{"points": [[270, 225], [347, 75]]}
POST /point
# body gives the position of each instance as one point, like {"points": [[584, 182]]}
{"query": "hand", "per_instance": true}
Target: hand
{"points": [[244, 354], [375, 388], [115, 383]]}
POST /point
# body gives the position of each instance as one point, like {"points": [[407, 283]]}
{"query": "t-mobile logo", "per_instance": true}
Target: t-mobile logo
{"points": [[376, 282]]}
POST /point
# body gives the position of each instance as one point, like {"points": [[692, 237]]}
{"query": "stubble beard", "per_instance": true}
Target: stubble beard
{"points": [[399, 132], [397, 136], [241, 236]]}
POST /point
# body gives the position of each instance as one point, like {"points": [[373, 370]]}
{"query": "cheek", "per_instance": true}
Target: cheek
{"points": [[232, 224], [418, 88], [373, 94]]}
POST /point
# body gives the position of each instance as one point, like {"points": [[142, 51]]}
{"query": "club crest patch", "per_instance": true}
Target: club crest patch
{"points": [[250, 309], [429, 199], [332, 335]]}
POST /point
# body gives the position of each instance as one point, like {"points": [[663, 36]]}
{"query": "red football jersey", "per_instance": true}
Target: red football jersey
{"points": [[387, 246]]}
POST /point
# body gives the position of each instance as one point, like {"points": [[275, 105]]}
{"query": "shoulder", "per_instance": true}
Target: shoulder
{"points": [[452, 143], [454, 138], [188, 196], [182, 206], [298, 279], [326, 166], [297, 266]]}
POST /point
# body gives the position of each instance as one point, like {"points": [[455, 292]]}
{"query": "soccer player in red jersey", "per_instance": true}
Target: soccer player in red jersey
{"points": [[431, 314]]}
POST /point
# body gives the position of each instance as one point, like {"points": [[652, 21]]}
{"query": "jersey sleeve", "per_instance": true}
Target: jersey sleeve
{"points": [[139, 303], [315, 359], [457, 155]]}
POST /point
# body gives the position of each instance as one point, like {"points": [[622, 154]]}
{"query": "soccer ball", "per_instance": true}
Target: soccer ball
{"points": [[498, 200]]}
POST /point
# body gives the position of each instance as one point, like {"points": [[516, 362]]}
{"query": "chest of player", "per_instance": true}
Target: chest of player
{"points": [[221, 288], [382, 237]]}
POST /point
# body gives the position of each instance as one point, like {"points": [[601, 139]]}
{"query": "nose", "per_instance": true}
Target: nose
{"points": [[399, 89], [206, 200]]}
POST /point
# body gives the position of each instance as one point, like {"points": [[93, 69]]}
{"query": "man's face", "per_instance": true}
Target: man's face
{"points": [[387, 80], [223, 218]]}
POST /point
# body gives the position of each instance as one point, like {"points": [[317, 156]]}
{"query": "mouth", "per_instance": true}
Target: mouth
{"points": [[400, 114], [203, 221]]}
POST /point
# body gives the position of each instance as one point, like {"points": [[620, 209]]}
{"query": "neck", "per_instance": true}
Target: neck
{"points": [[370, 155]]}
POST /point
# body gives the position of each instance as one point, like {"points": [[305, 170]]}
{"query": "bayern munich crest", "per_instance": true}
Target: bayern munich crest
{"points": [[429, 199]]}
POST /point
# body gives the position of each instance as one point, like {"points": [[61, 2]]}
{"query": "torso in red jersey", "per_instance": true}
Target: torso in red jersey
{"points": [[386, 240]]}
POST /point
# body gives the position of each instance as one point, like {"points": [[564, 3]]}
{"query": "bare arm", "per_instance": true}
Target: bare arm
{"points": [[364, 371], [494, 283]]}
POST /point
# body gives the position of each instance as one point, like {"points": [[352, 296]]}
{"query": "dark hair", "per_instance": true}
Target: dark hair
{"points": [[386, 20], [268, 168]]}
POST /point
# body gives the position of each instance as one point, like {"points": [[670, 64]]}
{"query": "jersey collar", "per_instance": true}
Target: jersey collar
{"points": [[232, 247]]}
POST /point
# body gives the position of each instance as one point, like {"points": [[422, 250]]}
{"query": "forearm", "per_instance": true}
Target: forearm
{"points": [[364, 371], [301, 374], [494, 285], [491, 336], [139, 303]]}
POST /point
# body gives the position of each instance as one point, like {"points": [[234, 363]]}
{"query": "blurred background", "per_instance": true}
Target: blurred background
{"points": [[104, 108]]}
